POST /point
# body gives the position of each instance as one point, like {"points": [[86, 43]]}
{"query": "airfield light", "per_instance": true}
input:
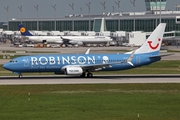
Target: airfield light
{"points": [[133, 2], [156, 13], [72, 7], [89, 9], [81, 11], [54, 7], [113, 8], [118, 4], [67, 11], [104, 6], [160, 12], [7, 9], [20, 8], [36, 7]]}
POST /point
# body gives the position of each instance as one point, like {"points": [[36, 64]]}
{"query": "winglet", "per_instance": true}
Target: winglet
{"points": [[129, 59], [87, 51]]}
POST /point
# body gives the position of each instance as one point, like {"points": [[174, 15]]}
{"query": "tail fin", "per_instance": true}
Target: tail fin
{"points": [[24, 31], [154, 41]]}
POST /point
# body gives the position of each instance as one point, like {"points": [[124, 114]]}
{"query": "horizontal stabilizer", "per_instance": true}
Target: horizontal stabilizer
{"points": [[157, 56]]}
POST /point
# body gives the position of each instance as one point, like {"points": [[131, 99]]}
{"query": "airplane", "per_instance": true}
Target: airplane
{"points": [[51, 39], [80, 40], [84, 64], [74, 40]]}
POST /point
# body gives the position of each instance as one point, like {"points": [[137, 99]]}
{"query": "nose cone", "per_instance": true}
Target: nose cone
{"points": [[6, 66]]}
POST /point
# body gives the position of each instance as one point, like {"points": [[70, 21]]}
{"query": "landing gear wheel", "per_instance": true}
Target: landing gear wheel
{"points": [[89, 75], [20, 76], [83, 75]]}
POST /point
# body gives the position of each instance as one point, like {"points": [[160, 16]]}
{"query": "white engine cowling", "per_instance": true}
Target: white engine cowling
{"points": [[76, 42], [59, 42], [73, 70]]}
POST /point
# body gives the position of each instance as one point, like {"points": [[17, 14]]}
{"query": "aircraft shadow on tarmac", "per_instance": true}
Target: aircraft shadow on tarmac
{"points": [[95, 77]]}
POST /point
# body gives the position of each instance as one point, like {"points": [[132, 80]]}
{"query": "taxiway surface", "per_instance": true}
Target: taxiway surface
{"points": [[108, 79]]}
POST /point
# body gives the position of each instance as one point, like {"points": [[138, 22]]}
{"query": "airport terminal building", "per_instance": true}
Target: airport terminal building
{"points": [[123, 21], [144, 21]]}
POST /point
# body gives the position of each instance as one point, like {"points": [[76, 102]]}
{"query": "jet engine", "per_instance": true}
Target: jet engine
{"points": [[76, 42], [52, 41], [59, 42], [73, 70]]}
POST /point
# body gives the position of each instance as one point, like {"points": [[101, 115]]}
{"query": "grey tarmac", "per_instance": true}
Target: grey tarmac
{"points": [[97, 79]]}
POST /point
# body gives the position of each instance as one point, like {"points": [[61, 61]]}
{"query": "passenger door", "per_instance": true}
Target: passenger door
{"points": [[26, 62], [138, 60]]}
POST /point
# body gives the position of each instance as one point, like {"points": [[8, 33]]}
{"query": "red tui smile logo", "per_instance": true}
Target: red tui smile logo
{"points": [[154, 47]]}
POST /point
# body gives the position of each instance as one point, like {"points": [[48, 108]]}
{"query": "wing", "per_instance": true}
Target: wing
{"points": [[65, 41], [100, 66], [97, 67]]}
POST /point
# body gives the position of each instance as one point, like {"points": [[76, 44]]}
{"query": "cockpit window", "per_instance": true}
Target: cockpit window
{"points": [[13, 61]]}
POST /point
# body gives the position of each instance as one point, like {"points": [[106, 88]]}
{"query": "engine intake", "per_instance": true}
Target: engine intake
{"points": [[73, 71], [76, 42]]}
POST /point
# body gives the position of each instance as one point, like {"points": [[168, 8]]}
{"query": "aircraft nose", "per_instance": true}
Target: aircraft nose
{"points": [[6, 66]]}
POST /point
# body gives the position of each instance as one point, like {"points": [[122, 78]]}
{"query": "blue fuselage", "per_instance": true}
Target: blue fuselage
{"points": [[55, 62]]}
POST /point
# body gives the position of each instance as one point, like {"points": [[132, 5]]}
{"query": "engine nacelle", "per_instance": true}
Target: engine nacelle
{"points": [[59, 42], [63, 45], [73, 71], [80, 43], [76, 42]]}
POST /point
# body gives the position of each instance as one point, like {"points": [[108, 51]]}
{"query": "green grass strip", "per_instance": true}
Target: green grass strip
{"points": [[90, 102]]}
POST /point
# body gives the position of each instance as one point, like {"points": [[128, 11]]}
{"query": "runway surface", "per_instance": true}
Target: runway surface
{"points": [[108, 79]]}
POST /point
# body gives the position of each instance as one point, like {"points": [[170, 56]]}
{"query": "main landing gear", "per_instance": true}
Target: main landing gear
{"points": [[20, 76], [89, 75]]}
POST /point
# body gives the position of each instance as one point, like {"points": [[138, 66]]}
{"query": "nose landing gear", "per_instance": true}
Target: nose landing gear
{"points": [[20, 76]]}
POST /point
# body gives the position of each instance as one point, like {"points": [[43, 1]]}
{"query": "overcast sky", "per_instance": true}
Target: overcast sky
{"points": [[46, 11]]}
